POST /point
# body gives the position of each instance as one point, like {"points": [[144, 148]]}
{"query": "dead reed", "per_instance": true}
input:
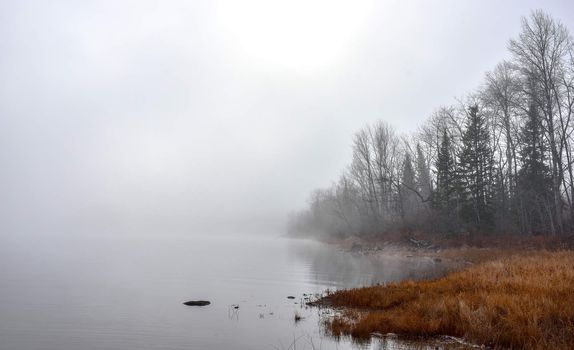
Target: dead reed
{"points": [[524, 301]]}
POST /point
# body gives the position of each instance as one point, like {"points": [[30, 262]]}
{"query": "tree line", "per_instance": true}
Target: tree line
{"points": [[498, 161]]}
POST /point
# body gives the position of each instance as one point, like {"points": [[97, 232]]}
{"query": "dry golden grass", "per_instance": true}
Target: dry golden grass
{"points": [[523, 301]]}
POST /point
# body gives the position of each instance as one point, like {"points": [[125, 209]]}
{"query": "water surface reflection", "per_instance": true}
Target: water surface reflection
{"points": [[126, 293]]}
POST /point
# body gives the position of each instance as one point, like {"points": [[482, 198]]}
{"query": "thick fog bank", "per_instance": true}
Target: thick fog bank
{"points": [[122, 117]]}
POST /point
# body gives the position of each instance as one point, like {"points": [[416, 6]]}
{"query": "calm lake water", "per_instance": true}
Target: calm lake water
{"points": [[127, 293]]}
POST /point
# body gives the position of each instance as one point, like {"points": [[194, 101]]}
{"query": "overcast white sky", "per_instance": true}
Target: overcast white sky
{"points": [[163, 117]]}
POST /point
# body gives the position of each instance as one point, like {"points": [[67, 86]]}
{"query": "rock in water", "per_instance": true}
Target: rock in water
{"points": [[356, 247], [197, 303]]}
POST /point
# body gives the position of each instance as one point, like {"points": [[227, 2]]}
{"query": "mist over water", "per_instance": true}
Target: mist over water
{"points": [[125, 118], [152, 151], [127, 293]]}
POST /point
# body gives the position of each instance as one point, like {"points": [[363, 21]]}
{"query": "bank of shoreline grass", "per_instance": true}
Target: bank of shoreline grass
{"points": [[523, 301]]}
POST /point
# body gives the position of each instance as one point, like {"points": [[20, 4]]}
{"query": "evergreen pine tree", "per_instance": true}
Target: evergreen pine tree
{"points": [[444, 194], [408, 186], [423, 178], [534, 178], [475, 172]]}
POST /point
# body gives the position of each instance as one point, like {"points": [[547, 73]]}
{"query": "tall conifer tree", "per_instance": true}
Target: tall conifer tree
{"points": [[445, 191], [475, 172], [535, 177]]}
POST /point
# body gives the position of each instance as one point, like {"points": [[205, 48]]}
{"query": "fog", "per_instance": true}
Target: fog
{"points": [[161, 117]]}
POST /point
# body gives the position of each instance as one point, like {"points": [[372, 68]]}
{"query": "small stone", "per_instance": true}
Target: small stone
{"points": [[197, 303]]}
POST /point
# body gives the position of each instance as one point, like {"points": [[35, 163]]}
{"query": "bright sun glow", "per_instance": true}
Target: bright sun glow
{"points": [[295, 35]]}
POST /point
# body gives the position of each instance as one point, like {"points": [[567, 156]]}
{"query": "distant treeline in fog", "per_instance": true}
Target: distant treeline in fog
{"points": [[498, 161]]}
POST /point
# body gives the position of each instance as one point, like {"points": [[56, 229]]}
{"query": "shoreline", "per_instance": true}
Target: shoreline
{"points": [[489, 295], [456, 252]]}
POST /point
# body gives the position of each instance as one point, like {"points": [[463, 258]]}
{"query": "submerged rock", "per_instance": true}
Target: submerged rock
{"points": [[356, 247], [197, 303]]}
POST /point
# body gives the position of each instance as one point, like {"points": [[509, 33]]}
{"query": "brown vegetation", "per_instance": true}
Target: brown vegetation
{"points": [[523, 301]]}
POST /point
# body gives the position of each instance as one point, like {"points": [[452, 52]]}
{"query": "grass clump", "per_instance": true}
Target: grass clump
{"points": [[516, 302]]}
